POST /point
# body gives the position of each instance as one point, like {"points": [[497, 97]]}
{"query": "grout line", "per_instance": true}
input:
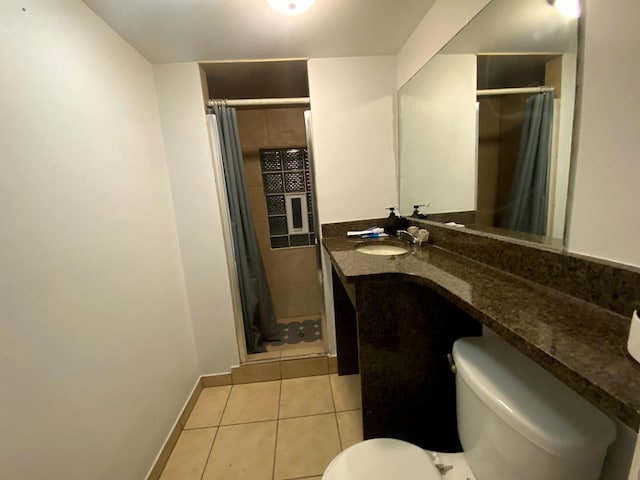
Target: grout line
{"points": [[216, 435], [275, 447], [309, 415], [206, 462], [335, 411], [273, 419], [250, 422]]}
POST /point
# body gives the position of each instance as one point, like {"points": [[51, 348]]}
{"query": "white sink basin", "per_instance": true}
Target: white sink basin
{"points": [[381, 249]]}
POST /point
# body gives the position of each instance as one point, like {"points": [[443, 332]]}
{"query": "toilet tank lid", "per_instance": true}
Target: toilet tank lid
{"points": [[531, 400]]}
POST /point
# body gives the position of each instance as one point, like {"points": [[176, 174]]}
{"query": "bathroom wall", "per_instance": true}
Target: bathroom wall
{"points": [[605, 220], [442, 98], [96, 346], [353, 104], [193, 187], [353, 107], [438, 26], [292, 272]]}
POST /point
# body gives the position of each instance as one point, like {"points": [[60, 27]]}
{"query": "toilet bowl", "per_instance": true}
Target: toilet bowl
{"points": [[515, 419]]}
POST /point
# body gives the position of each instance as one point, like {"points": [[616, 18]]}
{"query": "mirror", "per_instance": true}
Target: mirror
{"points": [[480, 142]]}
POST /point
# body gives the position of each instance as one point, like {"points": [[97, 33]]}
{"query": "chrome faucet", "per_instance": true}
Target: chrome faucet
{"points": [[404, 235], [418, 238]]}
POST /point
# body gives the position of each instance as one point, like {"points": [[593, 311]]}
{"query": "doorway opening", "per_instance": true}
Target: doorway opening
{"points": [[273, 121]]}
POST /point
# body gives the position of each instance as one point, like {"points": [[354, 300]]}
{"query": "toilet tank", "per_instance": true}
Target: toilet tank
{"points": [[518, 421]]}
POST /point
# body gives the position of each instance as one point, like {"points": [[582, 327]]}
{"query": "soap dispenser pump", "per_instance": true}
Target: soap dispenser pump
{"points": [[390, 225]]}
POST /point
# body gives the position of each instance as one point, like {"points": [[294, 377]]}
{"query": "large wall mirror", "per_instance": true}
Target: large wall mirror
{"points": [[486, 125]]}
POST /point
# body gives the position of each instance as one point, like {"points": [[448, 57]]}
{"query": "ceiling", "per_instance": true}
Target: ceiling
{"points": [[166, 31]]}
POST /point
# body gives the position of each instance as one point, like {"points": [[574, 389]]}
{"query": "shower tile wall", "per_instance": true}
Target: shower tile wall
{"points": [[295, 290]]}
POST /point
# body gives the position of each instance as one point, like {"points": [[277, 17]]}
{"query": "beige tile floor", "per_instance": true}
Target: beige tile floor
{"points": [[281, 430]]}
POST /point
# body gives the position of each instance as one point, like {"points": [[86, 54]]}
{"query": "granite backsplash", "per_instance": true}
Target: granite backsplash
{"points": [[613, 286]]}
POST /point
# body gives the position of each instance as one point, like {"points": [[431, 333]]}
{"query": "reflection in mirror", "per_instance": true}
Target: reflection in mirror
{"points": [[486, 124]]}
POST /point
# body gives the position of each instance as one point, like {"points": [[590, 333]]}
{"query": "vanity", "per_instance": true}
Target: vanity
{"points": [[461, 120], [398, 315]]}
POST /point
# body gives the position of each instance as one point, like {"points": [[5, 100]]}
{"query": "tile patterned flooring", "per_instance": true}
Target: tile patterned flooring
{"points": [[279, 430]]}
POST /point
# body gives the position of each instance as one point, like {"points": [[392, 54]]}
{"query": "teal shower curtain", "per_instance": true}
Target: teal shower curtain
{"points": [[257, 305], [529, 198]]}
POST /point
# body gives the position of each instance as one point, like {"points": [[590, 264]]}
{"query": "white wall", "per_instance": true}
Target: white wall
{"points": [[96, 347], [605, 220], [605, 213], [354, 134], [565, 127], [439, 25], [197, 211], [436, 168]]}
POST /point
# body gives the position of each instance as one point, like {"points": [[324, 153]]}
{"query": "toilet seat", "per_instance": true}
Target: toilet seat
{"points": [[382, 459]]}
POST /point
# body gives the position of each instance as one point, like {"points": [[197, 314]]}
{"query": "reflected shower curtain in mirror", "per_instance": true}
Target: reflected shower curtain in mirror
{"points": [[529, 198], [257, 305]]}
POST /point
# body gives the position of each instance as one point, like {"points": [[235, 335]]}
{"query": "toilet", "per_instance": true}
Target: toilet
{"points": [[516, 422]]}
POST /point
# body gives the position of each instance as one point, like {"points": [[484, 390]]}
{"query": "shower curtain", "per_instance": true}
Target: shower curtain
{"points": [[257, 305], [529, 197]]}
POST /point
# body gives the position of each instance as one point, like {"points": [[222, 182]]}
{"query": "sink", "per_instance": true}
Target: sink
{"points": [[381, 249]]}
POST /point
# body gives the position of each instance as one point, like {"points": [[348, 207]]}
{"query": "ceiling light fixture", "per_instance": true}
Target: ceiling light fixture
{"points": [[570, 8], [291, 7]]}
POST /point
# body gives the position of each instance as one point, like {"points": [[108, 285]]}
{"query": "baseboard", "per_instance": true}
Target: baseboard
{"points": [[203, 381], [248, 373]]}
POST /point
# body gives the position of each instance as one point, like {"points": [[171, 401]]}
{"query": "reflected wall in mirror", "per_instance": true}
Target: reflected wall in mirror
{"points": [[486, 124]]}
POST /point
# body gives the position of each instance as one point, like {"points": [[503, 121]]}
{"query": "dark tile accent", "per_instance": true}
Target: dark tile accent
{"points": [[273, 183], [278, 225], [293, 159], [306, 159], [271, 160], [275, 205], [279, 242], [299, 240], [294, 182]]}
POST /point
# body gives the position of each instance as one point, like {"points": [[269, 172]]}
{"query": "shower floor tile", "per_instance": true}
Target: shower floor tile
{"points": [[295, 428]]}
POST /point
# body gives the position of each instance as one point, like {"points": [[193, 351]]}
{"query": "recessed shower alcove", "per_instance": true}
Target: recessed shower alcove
{"points": [[278, 168]]}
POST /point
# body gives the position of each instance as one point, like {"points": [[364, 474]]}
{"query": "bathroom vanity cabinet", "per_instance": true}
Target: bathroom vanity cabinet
{"points": [[398, 316], [401, 332]]}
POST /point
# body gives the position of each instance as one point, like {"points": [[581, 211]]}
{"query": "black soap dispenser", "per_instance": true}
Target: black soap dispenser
{"points": [[391, 224]]}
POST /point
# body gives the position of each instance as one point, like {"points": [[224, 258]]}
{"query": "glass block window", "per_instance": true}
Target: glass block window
{"points": [[278, 225], [280, 242], [299, 240], [294, 159], [271, 161], [275, 205], [286, 174], [273, 183], [295, 182]]}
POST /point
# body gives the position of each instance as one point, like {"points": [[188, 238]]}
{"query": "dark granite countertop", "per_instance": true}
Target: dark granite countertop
{"points": [[582, 344]]}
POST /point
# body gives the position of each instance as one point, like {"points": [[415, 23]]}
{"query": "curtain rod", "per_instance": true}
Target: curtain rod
{"points": [[511, 91], [250, 102]]}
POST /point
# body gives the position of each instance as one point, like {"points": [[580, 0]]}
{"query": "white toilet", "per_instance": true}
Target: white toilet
{"points": [[516, 422]]}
